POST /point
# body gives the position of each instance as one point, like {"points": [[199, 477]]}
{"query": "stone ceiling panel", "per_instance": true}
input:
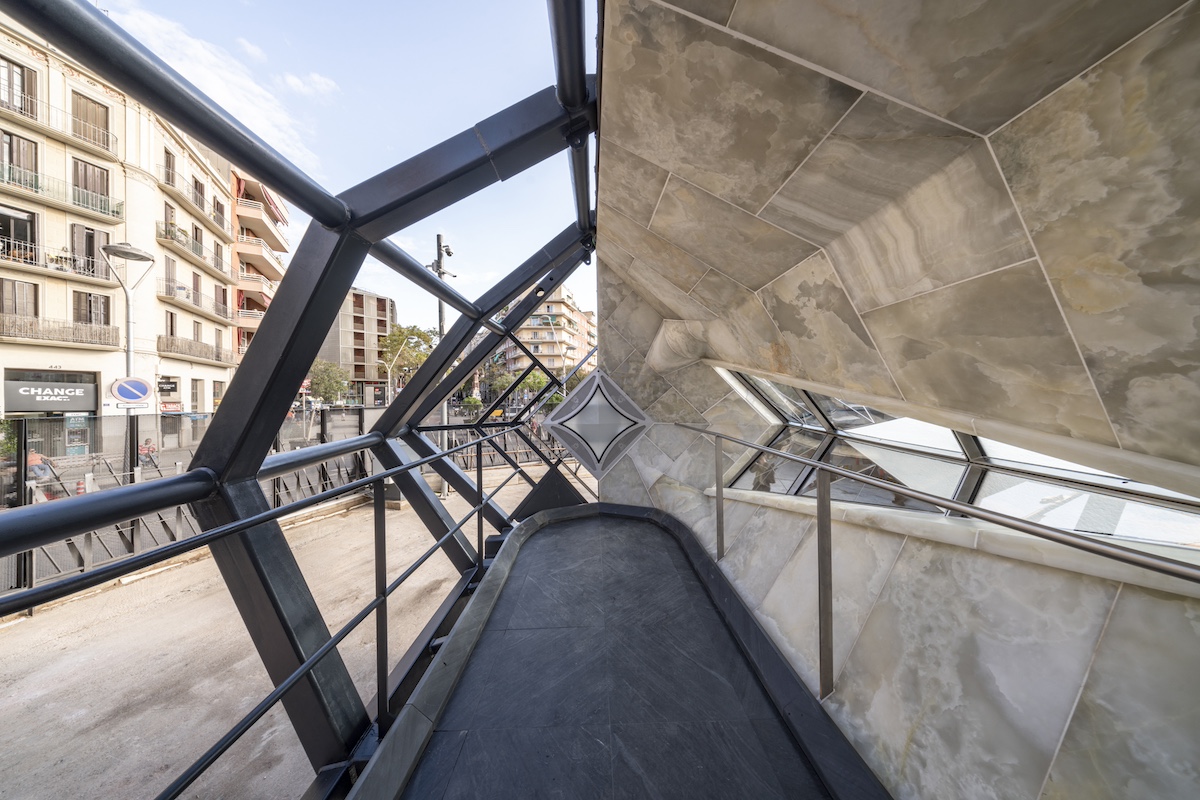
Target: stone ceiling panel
{"points": [[904, 204], [743, 331], [722, 113], [823, 331], [632, 185], [995, 346], [977, 64], [738, 244], [672, 263], [1107, 175]]}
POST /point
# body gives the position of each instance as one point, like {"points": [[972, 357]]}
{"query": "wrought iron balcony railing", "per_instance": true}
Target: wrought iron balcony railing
{"points": [[60, 120], [59, 190], [58, 330]]}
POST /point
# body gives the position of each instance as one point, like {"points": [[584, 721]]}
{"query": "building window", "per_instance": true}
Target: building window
{"points": [[90, 309], [197, 393], [536, 348], [195, 288], [218, 256], [172, 323], [18, 88], [168, 169], [19, 157], [198, 331], [91, 186], [89, 120], [169, 271], [218, 343], [198, 236], [85, 250], [17, 229], [218, 392], [218, 212], [169, 214], [18, 298]]}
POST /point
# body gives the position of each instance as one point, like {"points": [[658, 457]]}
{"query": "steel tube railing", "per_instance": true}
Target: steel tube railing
{"points": [[229, 739], [292, 460], [23, 601], [1126, 555]]}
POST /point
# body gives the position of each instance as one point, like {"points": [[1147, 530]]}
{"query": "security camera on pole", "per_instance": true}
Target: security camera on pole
{"points": [[438, 267]]}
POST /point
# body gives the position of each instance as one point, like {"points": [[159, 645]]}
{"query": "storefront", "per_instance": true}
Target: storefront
{"points": [[38, 395]]}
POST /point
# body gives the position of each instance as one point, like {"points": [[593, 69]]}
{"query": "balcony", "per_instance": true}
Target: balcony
{"points": [[16, 326], [249, 319], [60, 194], [173, 183], [61, 125], [191, 350], [256, 253], [257, 286], [180, 241], [252, 214], [187, 298], [30, 257]]}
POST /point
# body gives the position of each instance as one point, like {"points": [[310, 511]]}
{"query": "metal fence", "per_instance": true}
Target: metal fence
{"points": [[81, 455]]}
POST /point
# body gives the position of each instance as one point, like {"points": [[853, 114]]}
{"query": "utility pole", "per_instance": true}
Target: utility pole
{"points": [[439, 269]]}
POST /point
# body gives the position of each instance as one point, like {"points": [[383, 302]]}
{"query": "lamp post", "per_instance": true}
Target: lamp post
{"points": [[391, 387], [439, 268], [126, 251]]}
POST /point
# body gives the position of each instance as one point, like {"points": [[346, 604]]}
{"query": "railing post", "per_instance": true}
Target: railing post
{"points": [[22, 473], [720, 492], [479, 513], [824, 584], [383, 714]]}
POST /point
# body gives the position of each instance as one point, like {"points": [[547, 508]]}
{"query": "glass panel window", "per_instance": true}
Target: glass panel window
{"points": [[925, 474], [18, 298], [903, 430], [1075, 509], [772, 473], [846, 415], [786, 400]]}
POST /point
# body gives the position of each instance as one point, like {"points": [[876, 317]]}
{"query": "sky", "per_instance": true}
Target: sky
{"points": [[347, 90]]}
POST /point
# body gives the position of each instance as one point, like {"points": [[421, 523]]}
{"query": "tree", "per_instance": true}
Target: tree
{"points": [[328, 381], [408, 355]]}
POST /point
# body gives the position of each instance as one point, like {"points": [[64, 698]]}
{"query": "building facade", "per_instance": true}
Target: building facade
{"points": [[559, 333], [353, 344], [82, 166]]}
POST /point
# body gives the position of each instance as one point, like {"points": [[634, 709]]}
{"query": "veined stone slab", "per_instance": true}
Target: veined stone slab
{"points": [[630, 184]]}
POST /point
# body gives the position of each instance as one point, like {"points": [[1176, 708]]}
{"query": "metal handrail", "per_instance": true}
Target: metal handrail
{"points": [[1126, 555], [205, 761], [1168, 566]]}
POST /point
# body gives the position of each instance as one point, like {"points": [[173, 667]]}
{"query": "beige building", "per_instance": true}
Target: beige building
{"points": [[84, 165], [353, 344], [559, 333]]}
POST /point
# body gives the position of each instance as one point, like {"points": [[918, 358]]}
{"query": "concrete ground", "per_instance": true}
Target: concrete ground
{"points": [[116, 692]]}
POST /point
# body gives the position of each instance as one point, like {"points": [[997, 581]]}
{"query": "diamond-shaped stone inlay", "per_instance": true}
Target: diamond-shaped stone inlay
{"points": [[597, 423]]}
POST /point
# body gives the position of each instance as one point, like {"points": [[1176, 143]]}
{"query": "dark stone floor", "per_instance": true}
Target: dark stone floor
{"points": [[605, 672]]}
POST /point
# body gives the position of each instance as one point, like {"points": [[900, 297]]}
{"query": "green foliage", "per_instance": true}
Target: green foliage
{"points": [[328, 381], [8, 439], [403, 355], [472, 406]]}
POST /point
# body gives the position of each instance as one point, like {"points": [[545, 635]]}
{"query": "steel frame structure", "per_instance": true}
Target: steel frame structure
{"points": [[221, 483]]}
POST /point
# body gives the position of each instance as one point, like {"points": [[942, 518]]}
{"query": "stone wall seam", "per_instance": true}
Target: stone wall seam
{"points": [[1046, 275], [1082, 685]]}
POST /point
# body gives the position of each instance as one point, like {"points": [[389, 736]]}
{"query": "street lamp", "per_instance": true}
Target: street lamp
{"points": [[391, 387], [439, 269], [128, 252]]}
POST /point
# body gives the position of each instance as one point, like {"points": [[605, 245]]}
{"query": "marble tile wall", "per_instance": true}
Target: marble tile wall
{"points": [[963, 223], [1107, 175]]}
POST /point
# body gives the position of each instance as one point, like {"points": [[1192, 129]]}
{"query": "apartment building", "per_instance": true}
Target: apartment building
{"points": [[559, 333], [353, 344], [81, 166], [260, 220]]}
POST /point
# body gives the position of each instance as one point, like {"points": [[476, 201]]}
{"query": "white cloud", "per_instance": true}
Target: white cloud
{"points": [[226, 80], [252, 51], [313, 85]]}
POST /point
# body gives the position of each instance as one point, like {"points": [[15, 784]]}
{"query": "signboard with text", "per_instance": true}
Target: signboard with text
{"points": [[25, 396]]}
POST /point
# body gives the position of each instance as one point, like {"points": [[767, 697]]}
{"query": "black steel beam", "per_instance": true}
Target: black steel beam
{"points": [[292, 460], [459, 480], [425, 502], [567, 31], [28, 527], [496, 149], [291, 333], [407, 266], [413, 403], [284, 623]]}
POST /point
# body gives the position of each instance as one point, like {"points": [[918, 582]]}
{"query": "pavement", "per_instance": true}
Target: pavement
{"points": [[117, 691]]}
